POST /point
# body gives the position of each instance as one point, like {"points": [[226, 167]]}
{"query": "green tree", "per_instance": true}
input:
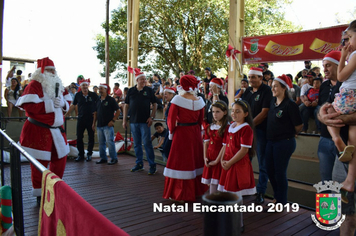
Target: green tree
{"points": [[177, 35]]}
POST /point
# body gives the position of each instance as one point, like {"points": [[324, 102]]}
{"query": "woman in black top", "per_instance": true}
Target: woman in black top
{"points": [[283, 123], [216, 93]]}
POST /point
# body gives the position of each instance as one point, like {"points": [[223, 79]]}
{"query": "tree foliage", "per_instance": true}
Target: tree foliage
{"points": [[176, 35]]}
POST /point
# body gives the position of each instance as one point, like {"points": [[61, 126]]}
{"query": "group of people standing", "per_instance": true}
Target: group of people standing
{"points": [[264, 120]]}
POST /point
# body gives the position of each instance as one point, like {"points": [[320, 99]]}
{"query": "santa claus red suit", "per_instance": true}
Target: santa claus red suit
{"points": [[185, 164], [42, 136]]}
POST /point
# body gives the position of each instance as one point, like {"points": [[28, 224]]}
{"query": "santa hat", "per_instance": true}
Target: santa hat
{"points": [[105, 86], [136, 71], [218, 82], [255, 71], [285, 80], [170, 90], [188, 83], [84, 81], [45, 63], [333, 56]]}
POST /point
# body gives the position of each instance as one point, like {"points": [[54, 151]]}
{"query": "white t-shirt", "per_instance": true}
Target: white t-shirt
{"points": [[304, 89], [350, 83]]}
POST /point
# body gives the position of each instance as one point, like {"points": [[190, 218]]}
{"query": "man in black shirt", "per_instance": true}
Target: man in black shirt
{"points": [[326, 149], [86, 102], [259, 97], [137, 105], [106, 107], [340, 169]]}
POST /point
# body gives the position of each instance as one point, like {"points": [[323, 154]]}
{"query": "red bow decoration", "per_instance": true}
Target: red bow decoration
{"points": [[231, 52], [135, 71]]}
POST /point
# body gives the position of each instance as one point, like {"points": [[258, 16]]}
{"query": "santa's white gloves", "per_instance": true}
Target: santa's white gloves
{"points": [[58, 102]]}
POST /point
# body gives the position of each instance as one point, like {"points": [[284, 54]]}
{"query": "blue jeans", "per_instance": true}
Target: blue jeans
{"points": [[106, 135], [261, 142], [141, 132], [307, 113], [278, 154], [327, 153]]}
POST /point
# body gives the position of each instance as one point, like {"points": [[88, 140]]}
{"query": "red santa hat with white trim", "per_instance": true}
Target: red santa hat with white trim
{"points": [[45, 63], [286, 81], [218, 82], [333, 56], [188, 83], [105, 86], [170, 89], [256, 71], [136, 71], [84, 81]]}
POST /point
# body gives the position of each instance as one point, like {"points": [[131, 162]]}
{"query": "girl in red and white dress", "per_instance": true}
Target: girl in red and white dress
{"points": [[237, 174], [213, 140], [185, 162]]}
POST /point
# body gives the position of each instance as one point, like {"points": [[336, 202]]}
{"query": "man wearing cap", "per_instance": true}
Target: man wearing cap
{"points": [[137, 105], [330, 166], [42, 136], [259, 97], [208, 78], [106, 113], [85, 100], [263, 66]]}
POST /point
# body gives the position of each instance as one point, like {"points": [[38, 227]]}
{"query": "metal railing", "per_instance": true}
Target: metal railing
{"points": [[16, 180]]}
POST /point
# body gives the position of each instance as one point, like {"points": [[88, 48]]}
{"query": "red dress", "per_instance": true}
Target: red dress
{"points": [[211, 175], [185, 162], [239, 178]]}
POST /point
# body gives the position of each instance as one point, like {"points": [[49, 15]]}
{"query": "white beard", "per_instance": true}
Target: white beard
{"points": [[48, 82]]}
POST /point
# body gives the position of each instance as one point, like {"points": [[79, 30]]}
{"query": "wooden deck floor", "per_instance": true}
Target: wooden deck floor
{"points": [[127, 200]]}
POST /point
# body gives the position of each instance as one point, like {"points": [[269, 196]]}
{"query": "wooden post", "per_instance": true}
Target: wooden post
{"points": [[236, 31], [133, 19], [107, 57]]}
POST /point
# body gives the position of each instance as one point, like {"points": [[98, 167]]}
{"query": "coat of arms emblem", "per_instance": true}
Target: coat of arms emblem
{"points": [[328, 206], [253, 46]]}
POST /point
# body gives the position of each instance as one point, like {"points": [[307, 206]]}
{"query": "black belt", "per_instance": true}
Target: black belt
{"points": [[35, 122], [187, 124]]}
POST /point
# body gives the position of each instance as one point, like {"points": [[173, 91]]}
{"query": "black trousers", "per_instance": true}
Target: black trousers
{"points": [[82, 125]]}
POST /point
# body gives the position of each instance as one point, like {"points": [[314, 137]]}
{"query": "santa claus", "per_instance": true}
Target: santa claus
{"points": [[45, 100]]}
